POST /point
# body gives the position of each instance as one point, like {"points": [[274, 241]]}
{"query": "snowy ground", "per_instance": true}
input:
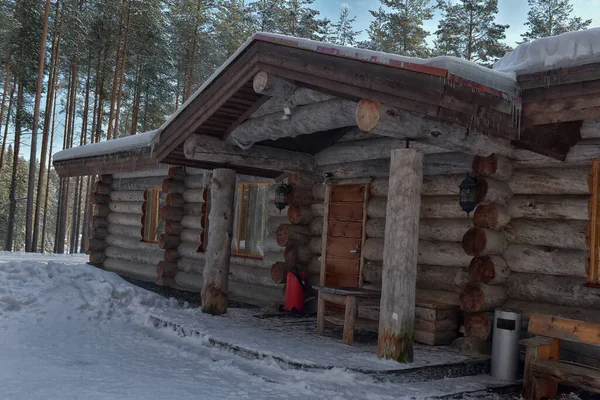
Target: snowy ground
{"points": [[71, 331]]}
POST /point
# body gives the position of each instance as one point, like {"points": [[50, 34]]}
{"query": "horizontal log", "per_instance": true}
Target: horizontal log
{"points": [[433, 164], [173, 228], [191, 222], [318, 192], [251, 275], [175, 200], [383, 119], [126, 207], [546, 260], [273, 211], [105, 179], [552, 181], [529, 307], [171, 213], [99, 232], [127, 242], [491, 216], [431, 207], [262, 296], [434, 185], [433, 327], [143, 256], [492, 270], [162, 171], [300, 196], [492, 191], [272, 85], [292, 234], [434, 277], [196, 209], [299, 215], [212, 150], [430, 253], [169, 241], [131, 195], [131, 184], [549, 207], [316, 226], [171, 255], [315, 244], [273, 222], [580, 155], [190, 265], [190, 250], [478, 297], [165, 270], [444, 230], [173, 186], [125, 219], [192, 235], [100, 210], [297, 254], [369, 149], [483, 242], [188, 280], [270, 244], [195, 195], [97, 245], [590, 129], [301, 96], [146, 272], [271, 257], [494, 166], [372, 271], [318, 209], [96, 198], [479, 325], [561, 234], [125, 230], [560, 290], [101, 188], [176, 173], [279, 272], [97, 258], [195, 181]]}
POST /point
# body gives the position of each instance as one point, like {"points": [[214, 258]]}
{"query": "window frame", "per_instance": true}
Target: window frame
{"points": [[594, 234], [145, 205], [238, 201]]}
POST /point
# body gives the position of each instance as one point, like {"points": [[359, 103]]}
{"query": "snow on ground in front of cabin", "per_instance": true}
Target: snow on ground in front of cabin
{"points": [[71, 331]]}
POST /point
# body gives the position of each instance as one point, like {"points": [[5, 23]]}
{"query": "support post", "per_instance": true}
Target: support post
{"points": [[399, 275], [218, 250]]}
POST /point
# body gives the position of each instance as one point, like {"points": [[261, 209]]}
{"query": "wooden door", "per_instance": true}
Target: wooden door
{"points": [[346, 218]]}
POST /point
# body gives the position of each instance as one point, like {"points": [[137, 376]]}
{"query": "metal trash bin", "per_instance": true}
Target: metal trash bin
{"points": [[505, 344]]}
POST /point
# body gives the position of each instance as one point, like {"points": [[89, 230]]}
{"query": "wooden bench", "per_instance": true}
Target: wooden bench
{"points": [[347, 298], [543, 368]]}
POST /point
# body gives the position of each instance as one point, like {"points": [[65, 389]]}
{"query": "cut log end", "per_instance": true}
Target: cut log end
{"points": [[259, 83], [189, 146], [279, 272], [472, 298], [482, 269], [488, 216], [485, 166], [479, 325], [367, 114], [474, 241]]}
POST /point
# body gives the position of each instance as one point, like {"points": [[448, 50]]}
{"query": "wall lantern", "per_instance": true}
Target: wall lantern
{"points": [[468, 194], [281, 196]]}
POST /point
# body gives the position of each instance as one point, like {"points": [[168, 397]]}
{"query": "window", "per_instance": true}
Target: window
{"points": [[594, 234], [249, 224], [153, 226]]}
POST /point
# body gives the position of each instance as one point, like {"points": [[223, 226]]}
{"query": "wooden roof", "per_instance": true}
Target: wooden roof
{"points": [[229, 99], [124, 161]]}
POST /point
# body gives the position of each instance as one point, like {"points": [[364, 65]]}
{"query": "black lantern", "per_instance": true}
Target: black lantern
{"points": [[468, 194], [281, 196]]}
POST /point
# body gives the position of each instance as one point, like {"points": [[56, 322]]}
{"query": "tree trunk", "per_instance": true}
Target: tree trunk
{"points": [[397, 307], [218, 250], [6, 124], [2, 106], [30, 245], [13, 181], [46, 211], [122, 77]]}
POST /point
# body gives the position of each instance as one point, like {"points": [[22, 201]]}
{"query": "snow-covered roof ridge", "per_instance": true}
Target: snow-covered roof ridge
{"points": [[566, 50], [127, 143]]}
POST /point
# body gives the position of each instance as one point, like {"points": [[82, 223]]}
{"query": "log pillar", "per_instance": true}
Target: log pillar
{"points": [[397, 307], [218, 249]]}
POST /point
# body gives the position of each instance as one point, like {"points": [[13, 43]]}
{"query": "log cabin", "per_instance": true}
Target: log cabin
{"points": [[373, 148]]}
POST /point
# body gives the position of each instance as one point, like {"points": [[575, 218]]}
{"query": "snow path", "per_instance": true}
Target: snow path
{"points": [[73, 331]]}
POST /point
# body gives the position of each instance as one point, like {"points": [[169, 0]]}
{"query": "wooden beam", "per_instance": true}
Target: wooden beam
{"points": [[397, 307], [564, 329], [209, 149], [381, 119], [215, 293], [316, 117]]}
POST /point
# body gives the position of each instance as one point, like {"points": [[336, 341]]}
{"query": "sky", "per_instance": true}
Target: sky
{"points": [[512, 12]]}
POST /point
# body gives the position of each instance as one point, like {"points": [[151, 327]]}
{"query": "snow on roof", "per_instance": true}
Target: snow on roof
{"points": [[128, 143], [566, 50]]}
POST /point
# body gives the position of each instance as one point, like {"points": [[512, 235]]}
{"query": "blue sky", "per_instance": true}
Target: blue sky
{"points": [[512, 12]]}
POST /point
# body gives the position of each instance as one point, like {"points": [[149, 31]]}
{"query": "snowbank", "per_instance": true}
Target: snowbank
{"points": [[127, 143], [566, 50]]}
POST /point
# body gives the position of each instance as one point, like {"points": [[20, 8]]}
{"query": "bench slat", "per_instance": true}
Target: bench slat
{"points": [[574, 375], [565, 329]]}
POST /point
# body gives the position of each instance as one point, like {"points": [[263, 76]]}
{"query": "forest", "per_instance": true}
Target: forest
{"points": [[74, 72]]}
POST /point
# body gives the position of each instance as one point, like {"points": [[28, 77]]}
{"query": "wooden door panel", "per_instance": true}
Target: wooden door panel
{"points": [[344, 229], [341, 281], [346, 211], [343, 266], [341, 247], [347, 193]]}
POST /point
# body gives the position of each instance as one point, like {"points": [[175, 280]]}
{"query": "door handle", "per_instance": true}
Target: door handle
{"points": [[353, 251]]}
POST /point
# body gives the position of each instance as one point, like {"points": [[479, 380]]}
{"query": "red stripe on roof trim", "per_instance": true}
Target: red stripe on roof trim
{"points": [[426, 69]]}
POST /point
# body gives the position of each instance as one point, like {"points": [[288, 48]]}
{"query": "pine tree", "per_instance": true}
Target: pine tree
{"points": [[467, 30], [550, 18], [345, 35], [300, 20], [400, 30]]}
